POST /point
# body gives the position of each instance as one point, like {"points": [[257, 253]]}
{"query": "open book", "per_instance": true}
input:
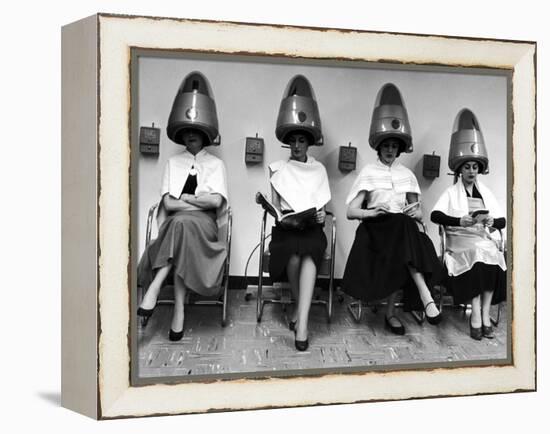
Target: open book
{"points": [[291, 220]]}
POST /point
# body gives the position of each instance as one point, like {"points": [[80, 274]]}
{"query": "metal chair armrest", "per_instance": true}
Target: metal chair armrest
{"points": [[501, 242], [228, 236], [150, 218], [332, 230], [443, 237]]}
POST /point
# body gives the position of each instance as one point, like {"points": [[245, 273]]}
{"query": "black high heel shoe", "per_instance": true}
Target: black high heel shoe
{"points": [[292, 325], [300, 345], [145, 313], [487, 332], [175, 336], [397, 330], [433, 320], [475, 332]]}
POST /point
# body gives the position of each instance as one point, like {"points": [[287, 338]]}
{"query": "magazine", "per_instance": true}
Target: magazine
{"points": [[480, 215], [291, 220]]}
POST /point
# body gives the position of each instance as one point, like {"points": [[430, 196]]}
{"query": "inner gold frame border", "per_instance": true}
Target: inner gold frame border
{"points": [[117, 35]]}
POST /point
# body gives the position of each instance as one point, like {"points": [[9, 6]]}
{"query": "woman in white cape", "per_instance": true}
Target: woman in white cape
{"points": [[298, 184], [389, 253], [470, 213], [193, 194]]}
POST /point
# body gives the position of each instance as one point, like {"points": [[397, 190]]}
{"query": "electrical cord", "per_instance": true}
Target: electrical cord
{"points": [[247, 295]]}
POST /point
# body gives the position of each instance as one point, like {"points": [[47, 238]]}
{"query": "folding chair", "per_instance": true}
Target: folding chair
{"points": [[326, 270], [224, 232]]}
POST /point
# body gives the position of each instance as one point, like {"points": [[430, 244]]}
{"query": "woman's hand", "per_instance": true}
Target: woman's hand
{"points": [[489, 221], [415, 213], [376, 211], [186, 196], [466, 221], [203, 201], [320, 216]]}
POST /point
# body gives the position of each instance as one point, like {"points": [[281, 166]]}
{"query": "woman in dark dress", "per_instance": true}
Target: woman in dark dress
{"points": [[475, 265], [298, 184], [193, 197], [389, 252]]}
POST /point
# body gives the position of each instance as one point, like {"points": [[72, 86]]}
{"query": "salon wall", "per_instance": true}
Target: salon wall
{"points": [[248, 95]]}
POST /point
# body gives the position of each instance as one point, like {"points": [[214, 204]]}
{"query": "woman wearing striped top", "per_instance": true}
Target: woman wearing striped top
{"points": [[389, 252]]}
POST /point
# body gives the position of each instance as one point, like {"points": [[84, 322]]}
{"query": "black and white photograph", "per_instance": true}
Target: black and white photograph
{"points": [[303, 217], [275, 216]]}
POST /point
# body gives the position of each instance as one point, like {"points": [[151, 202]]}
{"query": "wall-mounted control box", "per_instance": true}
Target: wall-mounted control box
{"points": [[254, 150], [430, 166], [347, 158], [149, 140]]}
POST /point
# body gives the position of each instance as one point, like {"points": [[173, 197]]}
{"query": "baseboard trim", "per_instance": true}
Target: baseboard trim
{"points": [[242, 282]]}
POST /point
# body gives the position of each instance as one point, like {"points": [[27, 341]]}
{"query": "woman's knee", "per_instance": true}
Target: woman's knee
{"points": [[294, 261], [307, 263]]}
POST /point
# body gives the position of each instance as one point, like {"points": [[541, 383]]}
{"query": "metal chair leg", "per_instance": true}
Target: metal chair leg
{"points": [[259, 300], [356, 315], [224, 303], [330, 298], [497, 320], [418, 317]]}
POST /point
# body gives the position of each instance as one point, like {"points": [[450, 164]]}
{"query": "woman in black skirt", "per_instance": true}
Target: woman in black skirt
{"points": [[298, 184], [469, 211], [193, 195], [389, 252]]}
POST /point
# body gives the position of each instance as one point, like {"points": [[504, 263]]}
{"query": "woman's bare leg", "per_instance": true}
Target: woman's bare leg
{"points": [[475, 319], [308, 273], [150, 297], [179, 305], [424, 292], [293, 274], [486, 299], [391, 311]]}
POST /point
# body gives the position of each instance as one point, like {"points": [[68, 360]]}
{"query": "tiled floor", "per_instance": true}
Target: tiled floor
{"points": [[245, 346]]}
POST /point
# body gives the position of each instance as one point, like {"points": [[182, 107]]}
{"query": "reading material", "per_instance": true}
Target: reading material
{"points": [[291, 220], [480, 215]]}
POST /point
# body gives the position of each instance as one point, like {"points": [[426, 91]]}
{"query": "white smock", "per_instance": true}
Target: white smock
{"points": [[211, 178], [300, 185], [385, 185]]}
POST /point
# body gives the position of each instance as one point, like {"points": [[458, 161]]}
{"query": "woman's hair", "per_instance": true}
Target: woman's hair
{"points": [[309, 136], [178, 138], [402, 145], [459, 169]]}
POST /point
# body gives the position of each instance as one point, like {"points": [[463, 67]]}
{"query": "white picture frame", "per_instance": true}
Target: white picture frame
{"points": [[96, 219]]}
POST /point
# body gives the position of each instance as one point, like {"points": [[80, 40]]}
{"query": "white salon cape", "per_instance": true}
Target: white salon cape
{"points": [[468, 245], [300, 185], [211, 178], [384, 184]]}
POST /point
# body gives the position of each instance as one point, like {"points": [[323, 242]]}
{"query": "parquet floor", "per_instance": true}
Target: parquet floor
{"points": [[245, 346]]}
